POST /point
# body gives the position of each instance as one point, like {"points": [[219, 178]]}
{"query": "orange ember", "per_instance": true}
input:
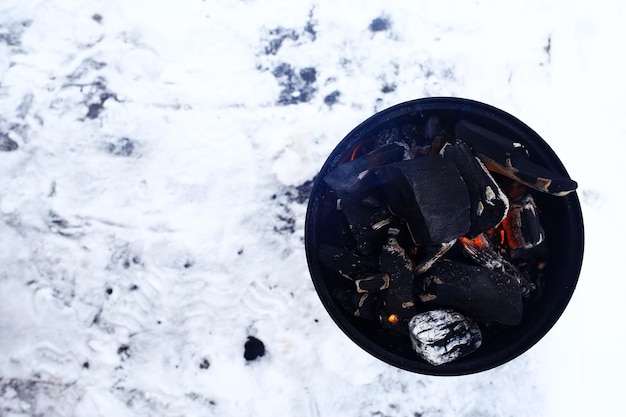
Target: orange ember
{"points": [[479, 241], [356, 149], [393, 319]]}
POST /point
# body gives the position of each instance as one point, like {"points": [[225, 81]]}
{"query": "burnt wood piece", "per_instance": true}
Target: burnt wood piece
{"points": [[443, 335], [344, 261], [489, 204], [438, 135], [507, 157], [368, 223], [479, 251], [398, 299], [433, 128], [372, 283], [430, 195], [521, 226], [364, 306], [523, 231], [432, 255], [347, 177], [485, 295]]}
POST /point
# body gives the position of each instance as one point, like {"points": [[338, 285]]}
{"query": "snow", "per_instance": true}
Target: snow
{"points": [[153, 211]]}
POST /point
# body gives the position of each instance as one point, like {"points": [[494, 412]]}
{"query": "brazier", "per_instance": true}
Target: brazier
{"points": [[410, 122]]}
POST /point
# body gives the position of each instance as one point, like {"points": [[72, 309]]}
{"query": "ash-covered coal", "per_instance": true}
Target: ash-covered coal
{"points": [[443, 335], [442, 232]]}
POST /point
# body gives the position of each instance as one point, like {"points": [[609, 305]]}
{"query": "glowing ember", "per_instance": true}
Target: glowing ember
{"points": [[393, 319]]}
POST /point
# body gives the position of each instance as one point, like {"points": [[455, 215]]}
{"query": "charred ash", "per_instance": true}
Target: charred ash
{"points": [[442, 241]]}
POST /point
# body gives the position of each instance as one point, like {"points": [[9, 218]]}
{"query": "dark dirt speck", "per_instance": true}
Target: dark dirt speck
{"points": [[380, 24], [308, 75], [7, 144], [297, 86], [277, 37], [204, 364], [332, 98], [253, 349], [123, 147], [124, 351], [388, 88]]}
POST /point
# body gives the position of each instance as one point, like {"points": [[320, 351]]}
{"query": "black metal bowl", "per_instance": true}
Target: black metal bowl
{"points": [[561, 218]]}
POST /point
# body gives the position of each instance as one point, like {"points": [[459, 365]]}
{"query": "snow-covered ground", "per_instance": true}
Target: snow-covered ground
{"points": [[154, 160]]}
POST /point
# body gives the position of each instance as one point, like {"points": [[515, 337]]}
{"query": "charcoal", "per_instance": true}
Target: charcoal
{"points": [[442, 336], [428, 139], [430, 195], [489, 204], [433, 127], [398, 298], [344, 261], [371, 201], [348, 176], [432, 255], [253, 348], [522, 228], [368, 186], [438, 136], [359, 305], [367, 224], [366, 307], [479, 251], [372, 283], [483, 294], [511, 159]]}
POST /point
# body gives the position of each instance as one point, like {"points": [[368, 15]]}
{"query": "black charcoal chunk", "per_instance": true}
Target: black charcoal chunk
{"points": [[480, 252], [433, 127], [510, 158], [485, 295], [398, 298], [489, 204], [359, 305], [347, 177], [430, 195], [372, 283], [344, 261], [437, 135], [368, 225], [442, 336], [371, 201], [522, 227], [253, 348]]}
